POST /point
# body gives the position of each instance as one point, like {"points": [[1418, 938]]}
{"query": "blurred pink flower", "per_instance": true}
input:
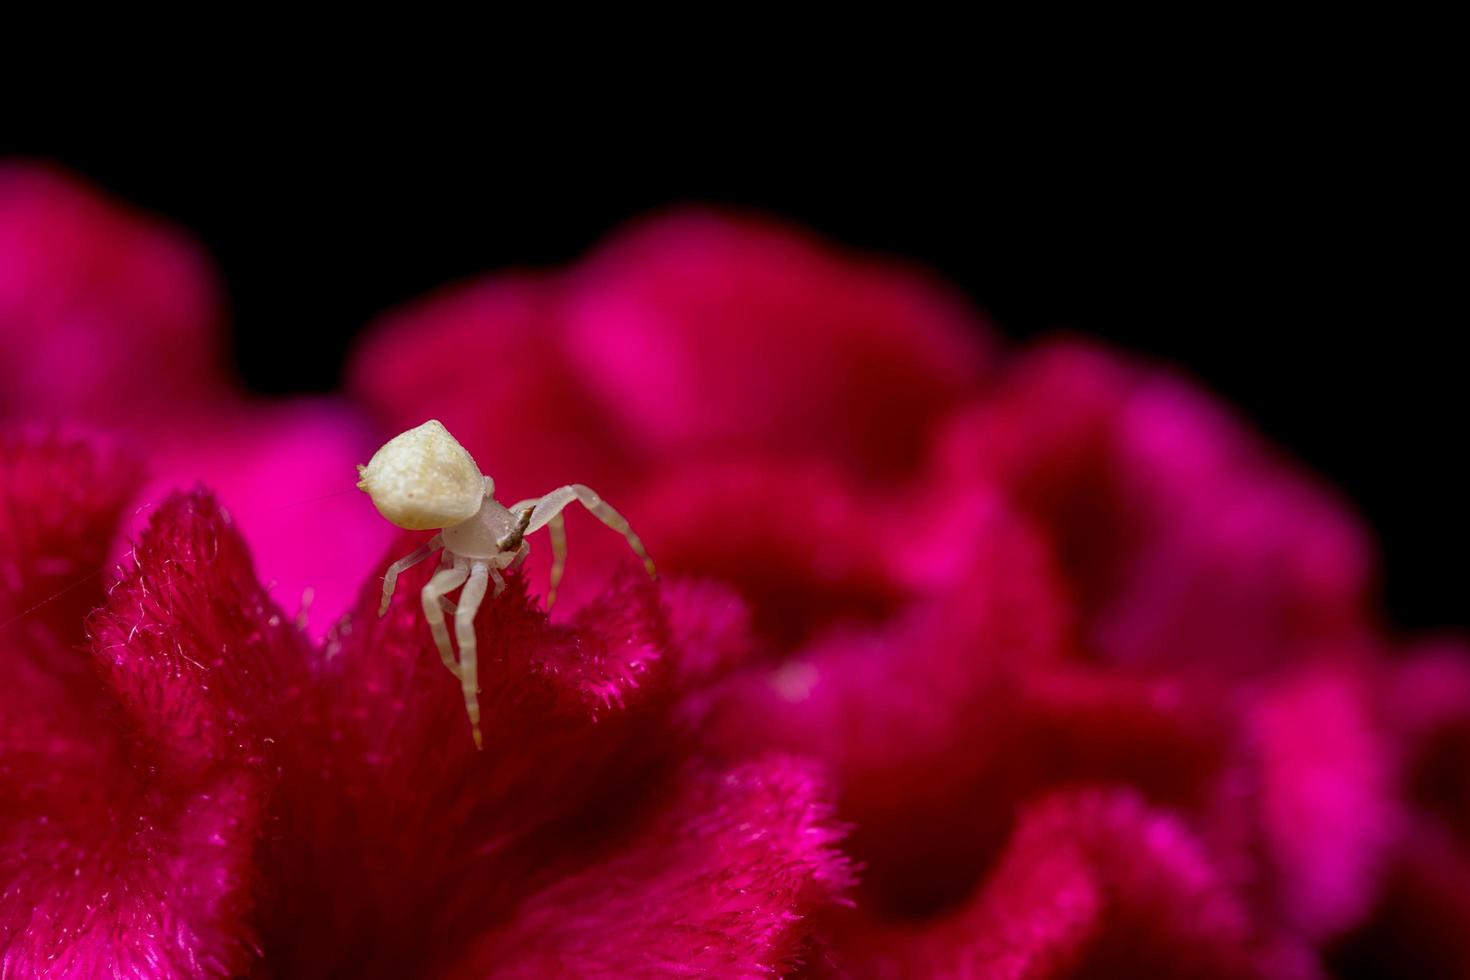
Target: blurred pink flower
{"points": [[110, 325], [106, 314], [694, 335], [1081, 677]]}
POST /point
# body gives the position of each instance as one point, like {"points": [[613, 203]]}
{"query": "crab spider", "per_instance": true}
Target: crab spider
{"points": [[424, 479]]}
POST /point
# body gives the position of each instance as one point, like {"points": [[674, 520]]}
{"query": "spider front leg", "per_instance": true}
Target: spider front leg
{"points": [[464, 629], [444, 580], [547, 509], [390, 580], [557, 528]]}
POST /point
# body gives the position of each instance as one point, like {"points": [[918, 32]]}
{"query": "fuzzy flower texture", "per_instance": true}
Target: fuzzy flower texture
{"points": [[966, 662]]}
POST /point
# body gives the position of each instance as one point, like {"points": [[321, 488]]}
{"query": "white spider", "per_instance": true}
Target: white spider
{"points": [[424, 479]]}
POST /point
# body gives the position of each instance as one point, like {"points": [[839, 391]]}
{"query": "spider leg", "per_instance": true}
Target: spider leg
{"points": [[499, 581], [557, 500], [390, 580], [558, 528], [464, 628], [444, 580], [446, 560]]}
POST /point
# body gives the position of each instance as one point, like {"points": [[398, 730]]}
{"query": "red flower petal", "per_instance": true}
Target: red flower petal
{"points": [[1429, 707], [1327, 795], [131, 847], [718, 882], [134, 887], [705, 332], [193, 648], [1179, 531], [917, 716], [1420, 925], [60, 503], [398, 840], [796, 541], [105, 314], [1092, 884]]}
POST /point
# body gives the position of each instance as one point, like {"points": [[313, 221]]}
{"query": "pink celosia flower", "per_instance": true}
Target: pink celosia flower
{"points": [[195, 790], [1081, 677], [943, 639]]}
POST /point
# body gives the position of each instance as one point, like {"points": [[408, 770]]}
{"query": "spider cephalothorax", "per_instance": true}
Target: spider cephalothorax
{"points": [[424, 479]]}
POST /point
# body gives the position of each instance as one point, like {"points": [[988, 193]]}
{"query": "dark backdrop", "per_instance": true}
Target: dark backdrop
{"points": [[1301, 281]]}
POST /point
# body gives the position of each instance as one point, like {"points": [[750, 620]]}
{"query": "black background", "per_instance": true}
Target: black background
{"points": [[1300, 274]]}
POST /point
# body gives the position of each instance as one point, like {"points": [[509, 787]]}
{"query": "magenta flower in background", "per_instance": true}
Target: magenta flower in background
{"points": [[110, 327], [965, 662]]}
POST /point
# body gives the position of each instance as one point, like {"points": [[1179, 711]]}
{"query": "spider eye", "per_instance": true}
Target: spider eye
{"points": [[423, 479], [489, 485]]}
